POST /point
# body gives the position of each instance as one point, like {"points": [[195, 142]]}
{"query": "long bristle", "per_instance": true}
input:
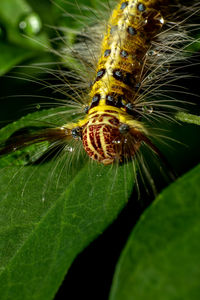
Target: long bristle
{"points": [[50, 135]]}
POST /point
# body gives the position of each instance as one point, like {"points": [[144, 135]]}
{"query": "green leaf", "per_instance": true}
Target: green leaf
{"points": [[20, 34], [49, 213], [162, 257], [11, 56], [52, 116], [22, 25], [12, 10], [188, 118], [193, 46]]}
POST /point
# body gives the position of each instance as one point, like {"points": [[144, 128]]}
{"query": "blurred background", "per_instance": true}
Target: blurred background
{"points": [[32, 32]]}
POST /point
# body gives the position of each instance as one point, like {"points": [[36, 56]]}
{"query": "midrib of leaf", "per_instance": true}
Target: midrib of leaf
{"points": [[188, 118]]}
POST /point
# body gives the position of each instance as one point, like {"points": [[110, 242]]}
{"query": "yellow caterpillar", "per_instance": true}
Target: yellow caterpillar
{"points": [[112, 129]]}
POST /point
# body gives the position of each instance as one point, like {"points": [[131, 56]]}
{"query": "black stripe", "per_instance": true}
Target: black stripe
{"points": [[124, 77], [95, 100], [100, 74], [114, 99]]}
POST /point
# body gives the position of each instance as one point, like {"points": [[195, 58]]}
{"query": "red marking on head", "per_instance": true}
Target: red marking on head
{"points": [[103, 141]]}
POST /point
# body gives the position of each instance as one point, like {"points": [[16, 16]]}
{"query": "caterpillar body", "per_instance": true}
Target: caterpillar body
{"points": [[110, 132], [112, 129]]}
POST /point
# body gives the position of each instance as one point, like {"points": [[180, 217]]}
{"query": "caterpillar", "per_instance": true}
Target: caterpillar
{"points": [[113, 128]]}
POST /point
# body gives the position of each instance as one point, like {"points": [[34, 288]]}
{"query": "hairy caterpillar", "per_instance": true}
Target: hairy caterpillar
{"points": [[112, 130], [127, 70], [141, 52]]}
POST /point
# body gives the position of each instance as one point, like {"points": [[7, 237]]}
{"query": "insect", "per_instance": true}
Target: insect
{"points": [[112, 129]]}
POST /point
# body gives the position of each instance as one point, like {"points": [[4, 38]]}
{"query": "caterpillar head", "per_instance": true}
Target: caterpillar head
{"points": [[107, 140]]}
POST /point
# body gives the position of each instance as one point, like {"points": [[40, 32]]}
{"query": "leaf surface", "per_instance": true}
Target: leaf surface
{"points": [[188, 118], [11, 56], [161, 258]]}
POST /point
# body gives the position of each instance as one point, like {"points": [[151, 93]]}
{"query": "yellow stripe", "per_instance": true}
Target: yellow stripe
{"points": [[90, 144], [102, 109], [102, 141]]}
